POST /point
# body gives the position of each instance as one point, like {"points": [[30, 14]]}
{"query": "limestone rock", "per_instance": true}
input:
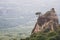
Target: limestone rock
{"points": [[47, 21]]}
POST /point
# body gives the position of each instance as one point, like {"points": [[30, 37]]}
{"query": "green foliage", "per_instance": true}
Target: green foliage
{"points": [[51, 34], [54, 35], [57, 37], [41, 37], [52, 38]]}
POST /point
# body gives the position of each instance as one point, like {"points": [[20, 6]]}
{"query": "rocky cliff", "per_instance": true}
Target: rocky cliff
{"points": [[46, 22]]}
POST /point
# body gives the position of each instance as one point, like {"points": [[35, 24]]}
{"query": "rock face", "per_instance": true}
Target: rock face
{"points": [[45, 22]]}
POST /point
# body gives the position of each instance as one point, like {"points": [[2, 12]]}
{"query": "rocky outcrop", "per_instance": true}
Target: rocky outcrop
{"points": [[48, 21]]}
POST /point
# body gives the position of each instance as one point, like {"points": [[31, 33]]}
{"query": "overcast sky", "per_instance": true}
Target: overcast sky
{"points": [[27, 7], [30, 5], [19, 11]]}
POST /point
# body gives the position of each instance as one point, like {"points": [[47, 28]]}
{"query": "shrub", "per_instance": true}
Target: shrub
{"points": [[52, 34]]}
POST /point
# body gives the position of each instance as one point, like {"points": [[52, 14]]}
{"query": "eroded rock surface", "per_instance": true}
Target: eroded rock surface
{"points": [[48, 21]]}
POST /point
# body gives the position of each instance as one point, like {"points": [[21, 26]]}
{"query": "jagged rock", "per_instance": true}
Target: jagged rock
{"points": [[47, 21]]}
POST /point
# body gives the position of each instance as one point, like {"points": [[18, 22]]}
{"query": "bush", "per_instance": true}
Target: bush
{"points": [[41, 37], [57, 37], [52, 38], [52, 34]]}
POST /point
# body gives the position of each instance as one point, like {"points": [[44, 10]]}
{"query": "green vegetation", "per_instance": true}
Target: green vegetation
{"points": [[53, 35]]}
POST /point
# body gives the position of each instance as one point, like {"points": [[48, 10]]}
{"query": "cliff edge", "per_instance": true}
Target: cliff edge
{"points": [[46, 22]]}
